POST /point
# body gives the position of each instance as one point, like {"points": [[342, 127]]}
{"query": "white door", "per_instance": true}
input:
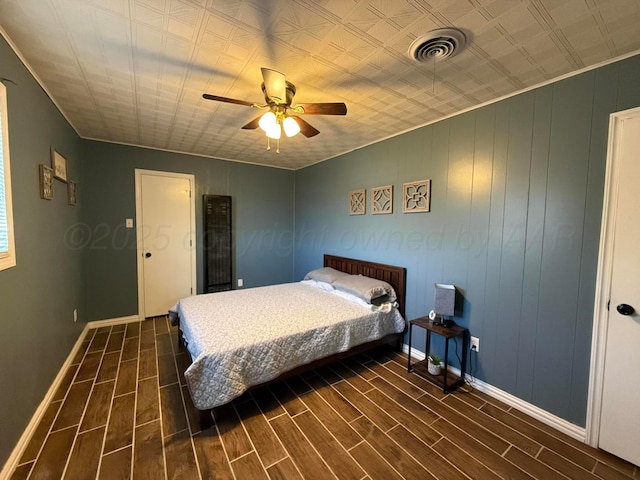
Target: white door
{"points": [[620, 413], [166, 244]]}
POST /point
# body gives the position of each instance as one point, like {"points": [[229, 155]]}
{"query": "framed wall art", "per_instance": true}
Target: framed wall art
{"points": [[357, 202], [417, 196], [71, 193], [46, 182], [59, 165], [382, 200]]}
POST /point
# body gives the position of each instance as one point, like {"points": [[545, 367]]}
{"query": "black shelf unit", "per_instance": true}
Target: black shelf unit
{"points": [[217, 243]]}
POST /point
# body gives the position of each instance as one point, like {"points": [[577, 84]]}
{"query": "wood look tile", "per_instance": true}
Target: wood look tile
{"points": [[337, 401], [183, 362], [22, 471], [89, 367], [105, 329], [484, 436], [130, 348], [181, 459], [147, 340], [147, 324], [161, 325], [127, 375], [173, 416], [115, 342], [163, 344], [536, 468], [211, 457], [404, 417], [132, 330], [337, 425], [147, 406], [73, 406], [167, 370], [298, 385], [235, 440], [99, 342], [343, 466], [416, 408], [193, 414], [53, 458], [284, 470], [267, 403], [609, 473], [375, 466], [148, 458], [65, 383], [147, 366], [302, 453], [366, 406], [98, 407], [350, 376], [109, 367], [264, 440], [571, 453], [289, 400], [120, 429], [404, 463], [119, 328], [359, 368], [116, 465], [77, 358], [249, 466], [467, 442], [85, 456], [40, 434], [468, 464], [564, 466], [437, 465], [410, 383], [498, 428]]}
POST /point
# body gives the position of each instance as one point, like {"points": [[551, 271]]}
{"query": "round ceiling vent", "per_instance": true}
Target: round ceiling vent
{"points": [[437, 44]]}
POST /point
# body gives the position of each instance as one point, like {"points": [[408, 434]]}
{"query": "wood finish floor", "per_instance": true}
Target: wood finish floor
{"points": [[123, 411]]}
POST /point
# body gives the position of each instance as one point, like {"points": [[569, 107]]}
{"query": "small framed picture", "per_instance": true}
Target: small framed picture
{"points": [[71, 192], [46, 182], [59, 165]]}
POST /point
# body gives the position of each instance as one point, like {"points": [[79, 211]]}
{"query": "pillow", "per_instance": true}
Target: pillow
{"points": [[325, 274], [365, 287], [321, 285]]}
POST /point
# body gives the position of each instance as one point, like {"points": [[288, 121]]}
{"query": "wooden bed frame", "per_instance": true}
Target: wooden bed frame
{"points": [[394, 276]]}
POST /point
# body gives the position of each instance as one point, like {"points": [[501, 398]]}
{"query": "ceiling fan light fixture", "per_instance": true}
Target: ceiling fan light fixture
{"points": [[290, 126], [274, 132], [268, 122]]}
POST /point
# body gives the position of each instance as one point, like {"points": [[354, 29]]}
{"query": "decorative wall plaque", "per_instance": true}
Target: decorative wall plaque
{"points": [[357, 202], [382, 200], [417, 196]]}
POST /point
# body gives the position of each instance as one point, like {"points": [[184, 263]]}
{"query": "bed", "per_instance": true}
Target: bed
{"points": [[241, 339]]}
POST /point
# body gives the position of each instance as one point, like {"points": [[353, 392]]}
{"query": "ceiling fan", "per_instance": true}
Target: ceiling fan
{"points": [[281, 115]]}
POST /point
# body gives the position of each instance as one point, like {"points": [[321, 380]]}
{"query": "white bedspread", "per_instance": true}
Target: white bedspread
{"points": [[242, 338]]}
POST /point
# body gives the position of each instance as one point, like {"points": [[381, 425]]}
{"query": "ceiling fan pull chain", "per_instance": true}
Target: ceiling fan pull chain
{"points": [[268, 144], [278, 146]]}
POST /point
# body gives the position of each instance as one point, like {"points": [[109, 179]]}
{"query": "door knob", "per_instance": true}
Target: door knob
{"points": [[148, 255], [624, 309]]}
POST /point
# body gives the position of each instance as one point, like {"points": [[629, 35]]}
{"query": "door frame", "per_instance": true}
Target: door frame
{"points": [[139, 250], [604, 275]]}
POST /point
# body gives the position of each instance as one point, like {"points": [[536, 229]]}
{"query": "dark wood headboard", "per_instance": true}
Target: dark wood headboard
{"points": [[394, 276]]}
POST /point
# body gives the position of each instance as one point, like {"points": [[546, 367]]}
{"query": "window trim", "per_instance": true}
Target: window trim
{"points": [[7, 260]]}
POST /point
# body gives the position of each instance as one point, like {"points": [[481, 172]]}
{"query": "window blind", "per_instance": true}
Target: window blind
{"points": [[4, 230]]}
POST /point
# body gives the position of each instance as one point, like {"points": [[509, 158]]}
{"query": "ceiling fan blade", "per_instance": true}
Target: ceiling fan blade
{"points": [[227, 100], [275, 85], [336, 108], [253, 124], [305, 128]]}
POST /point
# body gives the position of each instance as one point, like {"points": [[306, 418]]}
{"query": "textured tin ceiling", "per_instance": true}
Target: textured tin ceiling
{"points": [[134, 71]]}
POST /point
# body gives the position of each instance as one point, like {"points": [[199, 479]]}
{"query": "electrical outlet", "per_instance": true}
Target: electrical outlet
{"points": [[240, 282], [475, 344], [75, 314]]}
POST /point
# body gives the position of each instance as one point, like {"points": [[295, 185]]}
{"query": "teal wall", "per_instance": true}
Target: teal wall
{"points": [[262, 201], [517, 191], [39, 294]]}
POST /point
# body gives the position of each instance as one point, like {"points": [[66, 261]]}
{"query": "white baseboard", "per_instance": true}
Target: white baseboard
{"points": [[560, 424], [113, 321], [14, 458]]}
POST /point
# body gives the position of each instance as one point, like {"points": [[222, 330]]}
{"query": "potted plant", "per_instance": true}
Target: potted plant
{"points": [[434, 364]]}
